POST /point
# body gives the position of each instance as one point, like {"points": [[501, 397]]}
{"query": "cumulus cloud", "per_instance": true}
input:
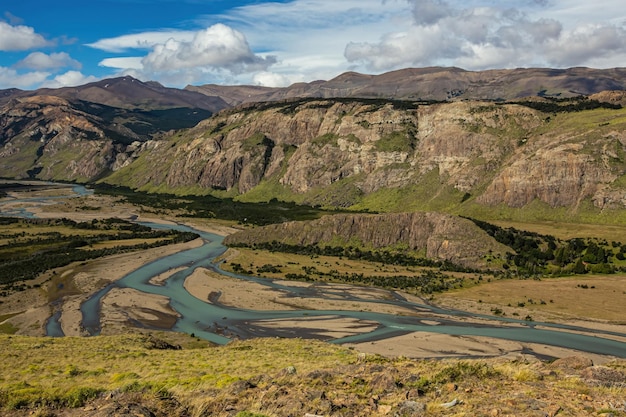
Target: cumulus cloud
{"points": [[69, 79], [587, 43], [10, 78], [272, 79], [217, 53], [429, 12], [19, 38], [486, 37], [218, 47], [41, 61]]}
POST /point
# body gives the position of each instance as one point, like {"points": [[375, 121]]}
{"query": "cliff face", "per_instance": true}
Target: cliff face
{"points": [[376, 154], [340, 152], [45, 137], [438, 236]]}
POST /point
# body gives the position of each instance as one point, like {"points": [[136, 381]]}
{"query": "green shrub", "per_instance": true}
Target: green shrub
{"points": [[76, 397]]}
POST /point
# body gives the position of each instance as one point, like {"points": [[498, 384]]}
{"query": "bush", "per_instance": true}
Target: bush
{"points": [[76, 397]]}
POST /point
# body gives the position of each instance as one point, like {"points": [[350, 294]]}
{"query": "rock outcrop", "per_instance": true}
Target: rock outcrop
{"points": [[365, 153], [341, 152], [434, 235], [51, 138]]}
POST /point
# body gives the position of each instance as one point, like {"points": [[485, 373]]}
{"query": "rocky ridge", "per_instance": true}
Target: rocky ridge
{"points": [[436, 83], [376, 154], [437, 236], [49, 137], [343, 153]]}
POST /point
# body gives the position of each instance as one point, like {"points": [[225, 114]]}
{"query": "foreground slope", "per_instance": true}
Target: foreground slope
{"points": [[138, 375]]}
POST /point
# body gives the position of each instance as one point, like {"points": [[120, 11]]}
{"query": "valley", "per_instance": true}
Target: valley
{"points": [[343, 250], [336, 308], [138, 364]]}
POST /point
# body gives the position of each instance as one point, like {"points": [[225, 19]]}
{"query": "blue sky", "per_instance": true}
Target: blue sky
{"points": [[179, 42]]}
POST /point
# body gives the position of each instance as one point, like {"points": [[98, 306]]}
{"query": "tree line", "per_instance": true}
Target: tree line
{"points": [[24, 256]]}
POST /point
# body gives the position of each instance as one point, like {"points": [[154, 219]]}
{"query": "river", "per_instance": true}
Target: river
{"points": [[220, 324]]}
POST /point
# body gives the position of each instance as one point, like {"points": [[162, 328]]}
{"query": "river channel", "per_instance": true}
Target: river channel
{"points": [[220, 324]]}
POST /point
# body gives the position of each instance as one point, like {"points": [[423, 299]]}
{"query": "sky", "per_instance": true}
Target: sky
{"points": [[179, 42]]}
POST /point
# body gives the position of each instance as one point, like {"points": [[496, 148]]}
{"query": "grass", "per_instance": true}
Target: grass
{"points": [[566, 230], [440, 197], [292, 263], [275, 377], [69, 371], [581, 296]]}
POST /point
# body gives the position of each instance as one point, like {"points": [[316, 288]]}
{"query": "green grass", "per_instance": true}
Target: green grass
{"points": [[68, 371], [325, 139], [426, 193], [395, 142], [272, 377]]}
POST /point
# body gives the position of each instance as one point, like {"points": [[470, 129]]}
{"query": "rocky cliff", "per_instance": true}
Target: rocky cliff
{"points": [[375, 154], [433, 235], [387, 155]]}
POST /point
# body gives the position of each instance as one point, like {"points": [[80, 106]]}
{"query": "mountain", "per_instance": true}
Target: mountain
{"points": [[437, 83], [561, 157], [126, 93], [550, 157], [56, 138]]}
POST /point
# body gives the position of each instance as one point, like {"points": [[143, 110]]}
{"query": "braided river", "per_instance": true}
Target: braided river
{"points": [[208, 320]]}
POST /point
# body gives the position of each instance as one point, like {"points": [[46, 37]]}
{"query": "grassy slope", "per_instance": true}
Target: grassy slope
{"points": [[277, 377]]}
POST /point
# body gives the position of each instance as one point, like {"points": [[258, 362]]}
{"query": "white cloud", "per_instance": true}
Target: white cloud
{"points": [[272, 79], [278, 43], [308, 37], [429, 12], [69, 79], [217, 53], [19, 38], [129, 62], [10, 78], [217, 47], [586, 44], [144, 40], [485, 35], [41, 61]]}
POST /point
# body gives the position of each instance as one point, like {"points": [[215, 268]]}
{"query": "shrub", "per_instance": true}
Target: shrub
{"points": [[76, 397]]}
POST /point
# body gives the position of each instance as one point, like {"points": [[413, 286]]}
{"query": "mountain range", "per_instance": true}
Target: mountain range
{"points": [[441, 139]]}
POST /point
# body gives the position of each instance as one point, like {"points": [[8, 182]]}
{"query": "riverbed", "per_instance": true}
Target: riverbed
{"points": [[409, 327]]}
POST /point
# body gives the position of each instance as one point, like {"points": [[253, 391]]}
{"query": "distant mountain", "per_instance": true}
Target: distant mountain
{"points": [[58, 138], [437, 83], [126, 93]]}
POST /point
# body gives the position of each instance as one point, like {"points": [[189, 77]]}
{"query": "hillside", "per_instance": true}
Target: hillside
{"points": [[127, 93], [433, 235], [473, 158], [546, 157], [139, 375], [54, 138]]}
